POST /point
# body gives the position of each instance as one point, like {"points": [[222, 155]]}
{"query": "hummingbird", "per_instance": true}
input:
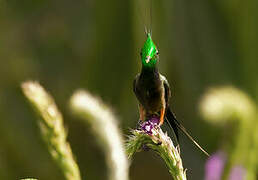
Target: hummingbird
{"points": [[153, 91]]}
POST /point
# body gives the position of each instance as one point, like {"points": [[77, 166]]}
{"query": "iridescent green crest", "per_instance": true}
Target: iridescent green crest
{"points": [[149, 53]]}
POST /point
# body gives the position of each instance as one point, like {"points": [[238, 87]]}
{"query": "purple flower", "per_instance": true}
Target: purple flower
{"points": [[148, 125], [237, 173], [214, 166]]}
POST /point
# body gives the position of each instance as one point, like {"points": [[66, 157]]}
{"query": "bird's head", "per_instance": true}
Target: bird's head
{"points": [[149, 53]]}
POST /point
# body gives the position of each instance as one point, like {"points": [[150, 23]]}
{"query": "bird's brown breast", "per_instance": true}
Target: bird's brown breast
{"points": [[151, 93]]}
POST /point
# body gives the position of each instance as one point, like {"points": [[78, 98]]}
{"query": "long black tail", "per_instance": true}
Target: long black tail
{"points": [[175, 124]]}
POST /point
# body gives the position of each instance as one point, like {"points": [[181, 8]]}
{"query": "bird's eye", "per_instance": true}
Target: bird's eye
{"points": [[157, 54]]}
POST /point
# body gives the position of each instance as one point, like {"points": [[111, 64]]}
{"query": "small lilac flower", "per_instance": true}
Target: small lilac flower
{"points": [[214, 166], [237, 173], [148, 125]]}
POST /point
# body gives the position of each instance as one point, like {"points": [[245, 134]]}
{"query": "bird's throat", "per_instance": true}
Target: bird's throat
{"points": [[150, 73]]}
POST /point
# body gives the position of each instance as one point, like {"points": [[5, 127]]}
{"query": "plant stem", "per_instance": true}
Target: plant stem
{"points": [[162, 145], [104, 126], [52, 129]]}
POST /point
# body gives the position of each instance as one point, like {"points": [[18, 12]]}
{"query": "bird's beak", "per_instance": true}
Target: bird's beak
{"points": [[147, 59]]}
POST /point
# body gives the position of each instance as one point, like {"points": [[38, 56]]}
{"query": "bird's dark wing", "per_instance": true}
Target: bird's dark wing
{"points": [[135, 89], [167, 89], [134, 83], [169, 114]]}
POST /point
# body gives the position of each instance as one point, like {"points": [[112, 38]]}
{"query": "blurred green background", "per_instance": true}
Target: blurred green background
{"points": [[95, 45]]}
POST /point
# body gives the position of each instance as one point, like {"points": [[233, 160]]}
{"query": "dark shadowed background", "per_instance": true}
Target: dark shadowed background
{"points": [[95, 45]]}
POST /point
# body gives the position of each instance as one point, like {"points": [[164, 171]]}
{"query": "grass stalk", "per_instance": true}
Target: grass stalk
{"points": [[104, 125], [52, 128], [230, 107], [161, 143]]}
